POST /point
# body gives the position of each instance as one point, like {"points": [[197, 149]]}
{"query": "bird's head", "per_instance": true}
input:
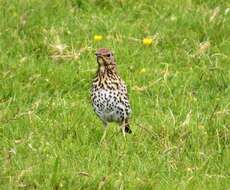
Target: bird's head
{"points": [[105, 58]]}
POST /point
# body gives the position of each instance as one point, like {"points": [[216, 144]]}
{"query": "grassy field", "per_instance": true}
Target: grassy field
{"points": [[179, 90]]}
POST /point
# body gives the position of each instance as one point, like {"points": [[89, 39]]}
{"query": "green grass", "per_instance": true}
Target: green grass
{"points": [[49, 135]]}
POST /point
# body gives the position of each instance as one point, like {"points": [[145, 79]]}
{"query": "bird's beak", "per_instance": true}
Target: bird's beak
{"points": [[100, 58], [98, 54]]}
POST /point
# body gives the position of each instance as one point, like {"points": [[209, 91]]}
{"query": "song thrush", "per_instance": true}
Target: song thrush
{"points": [[109, 93]]}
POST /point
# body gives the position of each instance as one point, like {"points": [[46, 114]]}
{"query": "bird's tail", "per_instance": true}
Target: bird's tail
{"points": [[127, 128]]}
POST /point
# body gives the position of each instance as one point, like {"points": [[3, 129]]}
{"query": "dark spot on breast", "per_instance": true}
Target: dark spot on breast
{"points": [[119, 108]]}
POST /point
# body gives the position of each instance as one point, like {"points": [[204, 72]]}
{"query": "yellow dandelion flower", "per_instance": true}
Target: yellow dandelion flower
{"points": [[142, 70], [98, 38], [147, 41]]}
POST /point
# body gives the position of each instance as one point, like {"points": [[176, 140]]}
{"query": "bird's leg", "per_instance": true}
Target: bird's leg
{"points": [[104, 133], [123, 129]]}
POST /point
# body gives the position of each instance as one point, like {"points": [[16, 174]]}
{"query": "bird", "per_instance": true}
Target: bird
{"points": [[109, 95]]}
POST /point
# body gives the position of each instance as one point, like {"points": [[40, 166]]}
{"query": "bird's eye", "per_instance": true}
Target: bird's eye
{"points": [[108, 55]]}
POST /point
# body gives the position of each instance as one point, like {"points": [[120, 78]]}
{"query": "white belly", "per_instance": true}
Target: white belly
{"points": [[108, 106]]}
